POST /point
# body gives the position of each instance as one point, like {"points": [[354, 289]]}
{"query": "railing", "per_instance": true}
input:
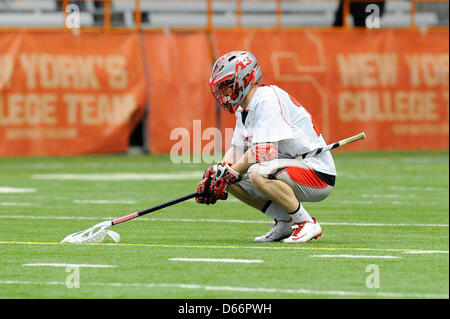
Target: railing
{"points": [[209, 13]]}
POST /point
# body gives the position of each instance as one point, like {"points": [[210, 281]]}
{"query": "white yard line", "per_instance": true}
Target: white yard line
{"points": [[218, 260], [372, 202], [212, 220], [417, 188], [67, 265], [355, 256], [17, 190], [268, 247], [426, 252], [120, 176], [103, 201], [54, 217], [384, 224], [293, 291], [385, 196], [17, 204]]}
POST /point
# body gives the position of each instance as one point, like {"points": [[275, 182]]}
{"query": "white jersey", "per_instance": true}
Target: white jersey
{"points": [[272, 116]]}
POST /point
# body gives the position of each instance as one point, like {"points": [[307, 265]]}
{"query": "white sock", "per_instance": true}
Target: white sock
{"points": [[301, 215], [276, 212]]}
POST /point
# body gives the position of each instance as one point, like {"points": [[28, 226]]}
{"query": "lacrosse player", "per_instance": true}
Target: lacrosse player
{"points": [[261, 168]]}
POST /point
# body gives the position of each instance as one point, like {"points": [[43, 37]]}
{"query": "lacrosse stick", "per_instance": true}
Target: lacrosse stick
{"points": [[98, 232], [330, 147]]}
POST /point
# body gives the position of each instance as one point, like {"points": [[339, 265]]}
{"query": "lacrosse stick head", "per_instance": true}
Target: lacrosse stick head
{"points": [[94, 234]]}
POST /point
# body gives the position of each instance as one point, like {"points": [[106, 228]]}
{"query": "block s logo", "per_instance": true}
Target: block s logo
{"points": [[72, 20]]}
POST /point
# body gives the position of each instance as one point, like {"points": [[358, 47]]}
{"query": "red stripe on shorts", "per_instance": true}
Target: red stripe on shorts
{"points": [[305, 176]]}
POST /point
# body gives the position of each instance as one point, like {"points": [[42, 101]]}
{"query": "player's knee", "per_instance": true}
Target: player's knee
{"points": [[257, 180]]}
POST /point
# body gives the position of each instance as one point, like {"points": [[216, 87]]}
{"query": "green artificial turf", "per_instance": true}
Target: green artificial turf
{"points": [[389, 209]]}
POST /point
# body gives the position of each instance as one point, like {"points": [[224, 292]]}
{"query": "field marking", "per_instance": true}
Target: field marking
{"points": [[218, 260], [17, 190], [355, 256], [193, 286], [384, 224], [103, 201], [391, 177], [17, 204], [53, 217], [120, 176], [420, 160], [417, 188], [369, 202], [426, 252], [387, 196], [268, 247], [67, 265], [381, 195], [212, 220]]}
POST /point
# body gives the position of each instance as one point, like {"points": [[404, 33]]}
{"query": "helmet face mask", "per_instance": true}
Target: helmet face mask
{"points": [[234, 75], [225, 93]]}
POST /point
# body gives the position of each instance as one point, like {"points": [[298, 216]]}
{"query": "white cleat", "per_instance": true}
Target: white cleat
{"points": [[281, 230], [304, 232]]}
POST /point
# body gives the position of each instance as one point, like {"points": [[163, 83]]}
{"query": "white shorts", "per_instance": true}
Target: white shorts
{"points": [[307, 184]]}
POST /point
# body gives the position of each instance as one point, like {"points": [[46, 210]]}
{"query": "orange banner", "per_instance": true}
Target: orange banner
{"points": [[63, 94], [181, 107], [391, 84]]}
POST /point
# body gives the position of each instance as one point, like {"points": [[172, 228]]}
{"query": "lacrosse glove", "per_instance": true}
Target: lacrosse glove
{"points": [[224, 176], [204, 188]]}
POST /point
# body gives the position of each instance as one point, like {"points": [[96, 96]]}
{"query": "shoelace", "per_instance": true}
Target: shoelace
{"points": [[297, 228]]}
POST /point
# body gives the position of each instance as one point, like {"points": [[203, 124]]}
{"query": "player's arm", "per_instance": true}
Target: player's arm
{"points": [[226, 174], [243, 163], [232, 155], [260, 152]]}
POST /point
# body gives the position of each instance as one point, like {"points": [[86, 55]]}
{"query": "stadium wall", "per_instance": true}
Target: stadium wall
{"points": [[65, 94]]}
